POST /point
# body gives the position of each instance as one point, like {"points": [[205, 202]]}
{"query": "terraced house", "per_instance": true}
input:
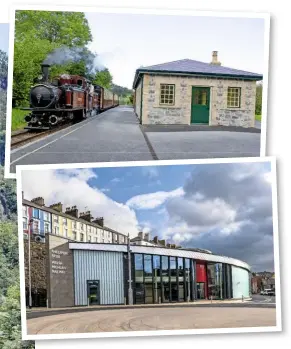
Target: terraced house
{"points": [[69, 224], [189, 92]]}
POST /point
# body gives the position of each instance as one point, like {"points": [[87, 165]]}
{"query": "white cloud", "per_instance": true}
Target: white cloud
{"points": [[150, 172], [71, 190], [105, 190], [115, 180], [153, 200]]}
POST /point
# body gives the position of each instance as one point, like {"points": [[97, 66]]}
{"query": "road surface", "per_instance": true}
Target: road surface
{"points": [[152, 319]]}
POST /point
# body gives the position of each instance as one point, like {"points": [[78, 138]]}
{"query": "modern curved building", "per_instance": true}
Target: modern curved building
{"points": [[84, 274]]}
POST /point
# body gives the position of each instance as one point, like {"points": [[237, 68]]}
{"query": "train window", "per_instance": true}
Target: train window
{"points": [[80, 82], [55, 82]]}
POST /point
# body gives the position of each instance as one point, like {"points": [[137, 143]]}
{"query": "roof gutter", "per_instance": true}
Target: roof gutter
{"points": [[210, 75]]}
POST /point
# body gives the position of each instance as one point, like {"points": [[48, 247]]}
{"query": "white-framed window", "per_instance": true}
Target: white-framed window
{"points": [[89, 238], [56, 230], [56, 219], [65, 221], [74, 224], [35, 213], [74, 235], [47, 227], [82, 226], [46, 216], [35, 227], [66, 232], [233, 97], [81, 237], [88, 228], [96, 239], [24, 220], [167, 94], [24, 211]]}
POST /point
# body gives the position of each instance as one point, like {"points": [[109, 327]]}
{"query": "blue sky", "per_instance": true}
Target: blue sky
{"points": [[132, 40], [4, 37], [225, 208]]}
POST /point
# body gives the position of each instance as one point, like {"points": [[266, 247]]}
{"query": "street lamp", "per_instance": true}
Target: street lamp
{"points": [[130, 295], [29, 268], [188, 280]]}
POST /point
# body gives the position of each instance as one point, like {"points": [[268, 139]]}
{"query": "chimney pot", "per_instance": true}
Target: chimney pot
{"points": [[215, 58]]}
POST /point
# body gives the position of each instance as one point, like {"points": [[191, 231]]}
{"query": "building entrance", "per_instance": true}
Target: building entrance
{"points": [[93, 291], [200, 290]]}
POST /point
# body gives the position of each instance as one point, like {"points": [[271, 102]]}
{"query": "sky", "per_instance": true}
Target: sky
{"points": [[126, 42], [4, 37], [225, 208]]}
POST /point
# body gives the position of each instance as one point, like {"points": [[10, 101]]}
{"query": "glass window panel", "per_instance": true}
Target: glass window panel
{"points": [[139, 284], [148, 278], [214, 274], [165, 280]]}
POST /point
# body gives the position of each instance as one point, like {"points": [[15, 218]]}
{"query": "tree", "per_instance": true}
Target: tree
{"points": [[259, 97], [103, 78], [38, 33], [10, 325]]}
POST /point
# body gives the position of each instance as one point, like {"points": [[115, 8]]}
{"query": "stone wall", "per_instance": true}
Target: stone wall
{"points": [[138, 100], [180, 113], [37, 264]]}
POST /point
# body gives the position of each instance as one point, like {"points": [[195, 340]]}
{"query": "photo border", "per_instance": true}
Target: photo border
{"points": [[277, 328], [145, 11]]}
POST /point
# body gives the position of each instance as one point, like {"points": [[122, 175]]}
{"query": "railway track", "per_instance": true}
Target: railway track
{"points": [[27, 136]]}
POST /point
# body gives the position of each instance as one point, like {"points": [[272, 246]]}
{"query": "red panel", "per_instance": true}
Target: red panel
{"points": [[201, 274]]}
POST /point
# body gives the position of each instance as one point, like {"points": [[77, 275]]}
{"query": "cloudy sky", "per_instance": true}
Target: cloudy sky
{"points": [[226, 208], [4, 30], [134, 40]]}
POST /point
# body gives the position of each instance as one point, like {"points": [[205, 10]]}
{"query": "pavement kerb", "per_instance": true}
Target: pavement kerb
{"points": [[124, 306]]}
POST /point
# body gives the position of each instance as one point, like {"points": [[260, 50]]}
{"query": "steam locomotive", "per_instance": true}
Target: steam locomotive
{"points": [[65, 98]]}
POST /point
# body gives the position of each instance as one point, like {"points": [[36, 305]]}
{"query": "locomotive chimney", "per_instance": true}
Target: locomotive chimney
{"points": [[45, 71]]}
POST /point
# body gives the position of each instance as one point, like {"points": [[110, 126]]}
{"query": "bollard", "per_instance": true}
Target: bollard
{"points": [[124, 300], [242, 298]]}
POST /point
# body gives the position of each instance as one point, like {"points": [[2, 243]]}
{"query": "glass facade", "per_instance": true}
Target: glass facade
{"points": [[164, 279], [214, 276]]}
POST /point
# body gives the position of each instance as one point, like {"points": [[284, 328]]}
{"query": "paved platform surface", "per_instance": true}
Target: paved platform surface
{"points": [[151, 319], [204, 144], [116, 135], [110, 136]]}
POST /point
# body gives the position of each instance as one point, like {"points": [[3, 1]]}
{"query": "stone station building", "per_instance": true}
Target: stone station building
{"points": [[189, 92]]}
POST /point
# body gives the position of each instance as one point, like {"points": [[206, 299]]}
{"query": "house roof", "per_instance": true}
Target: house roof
{"points": [[192, 67], [62, 214]]}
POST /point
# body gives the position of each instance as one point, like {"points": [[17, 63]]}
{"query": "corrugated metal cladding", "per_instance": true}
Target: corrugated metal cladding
{"points": [[161, 251], [107, 267]]}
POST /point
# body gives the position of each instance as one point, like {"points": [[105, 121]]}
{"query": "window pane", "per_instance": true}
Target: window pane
{"points": [[165, 280]]}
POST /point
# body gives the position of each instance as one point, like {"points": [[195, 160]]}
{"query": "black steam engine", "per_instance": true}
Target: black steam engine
{"points": [[65, 98]]}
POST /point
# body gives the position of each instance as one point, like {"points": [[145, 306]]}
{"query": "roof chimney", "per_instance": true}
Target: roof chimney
{"points": [[215, 58], [141, 235], [86, 216], [57, 207], [147, 236], [39, 201], [99, 221], [72, 211]]}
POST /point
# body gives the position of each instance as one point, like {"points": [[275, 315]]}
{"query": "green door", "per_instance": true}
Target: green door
{"points": [[200, 105]]}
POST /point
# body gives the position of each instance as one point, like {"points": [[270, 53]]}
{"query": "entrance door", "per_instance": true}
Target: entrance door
{"points": [[93, 292], [200, 290], [200, 105]]}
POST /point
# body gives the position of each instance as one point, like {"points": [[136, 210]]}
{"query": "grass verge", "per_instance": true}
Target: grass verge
{"points": [[258, 117], [18, 121]]}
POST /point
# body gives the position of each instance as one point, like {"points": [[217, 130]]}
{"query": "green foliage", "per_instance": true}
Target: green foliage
{"points": [[259, 97], [103, 78], [10, 325], [38, 33], [18, 121], [121, 91], [3, 99], [258, 117]]}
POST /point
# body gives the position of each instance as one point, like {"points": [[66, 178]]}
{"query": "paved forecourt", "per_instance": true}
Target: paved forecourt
{"points": [[152, 319], [204, 144], [113, 135]]}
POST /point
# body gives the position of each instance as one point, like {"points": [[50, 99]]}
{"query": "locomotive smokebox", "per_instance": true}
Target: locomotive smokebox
{"points": [[45, 71]]}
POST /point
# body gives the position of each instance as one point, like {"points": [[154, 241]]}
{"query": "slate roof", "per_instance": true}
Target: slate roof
{"points": [[192, 67]]}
